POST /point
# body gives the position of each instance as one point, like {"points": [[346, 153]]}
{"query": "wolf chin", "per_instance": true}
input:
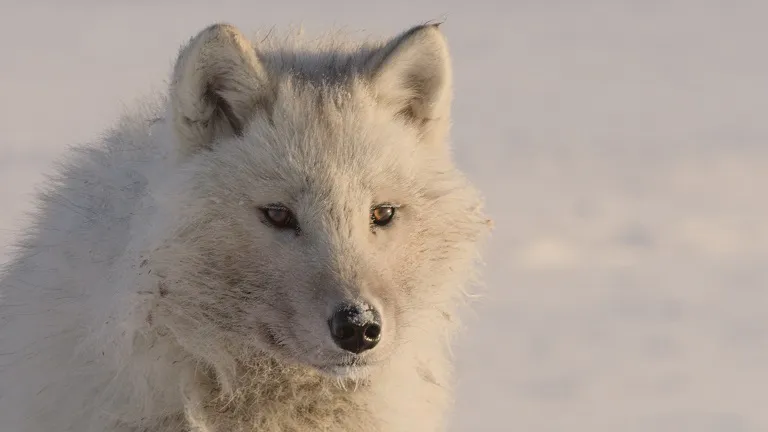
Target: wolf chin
{"points": [[279, 243]]}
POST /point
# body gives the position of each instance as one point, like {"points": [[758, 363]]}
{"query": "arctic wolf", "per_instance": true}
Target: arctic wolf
{"points": [[280, 246]]}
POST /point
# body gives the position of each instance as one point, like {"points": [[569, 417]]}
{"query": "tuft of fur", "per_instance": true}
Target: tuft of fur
{"points": [[151, 294]]}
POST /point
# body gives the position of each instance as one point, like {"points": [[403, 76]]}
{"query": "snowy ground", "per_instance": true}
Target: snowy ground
{"points": [[623, 149]]}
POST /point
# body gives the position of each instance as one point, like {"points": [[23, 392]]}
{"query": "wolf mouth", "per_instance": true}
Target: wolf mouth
{"points": [[341, 371], [345, 367], [351, 364]]}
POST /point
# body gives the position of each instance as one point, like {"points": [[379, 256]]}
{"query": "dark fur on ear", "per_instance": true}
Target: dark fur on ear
{"points": [[412, 74], [218, 84]]}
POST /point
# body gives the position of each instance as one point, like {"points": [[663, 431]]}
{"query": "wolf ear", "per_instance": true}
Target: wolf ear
{"points": [[412, 74], [218, 83]]}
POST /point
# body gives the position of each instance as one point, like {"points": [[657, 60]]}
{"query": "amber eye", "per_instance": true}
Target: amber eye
{"points": [[383, 214], [280, 217]]}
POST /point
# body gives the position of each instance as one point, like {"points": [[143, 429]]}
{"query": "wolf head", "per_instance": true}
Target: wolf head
{"points": [[320, 219]]}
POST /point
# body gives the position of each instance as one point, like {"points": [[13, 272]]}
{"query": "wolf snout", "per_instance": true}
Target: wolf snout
{"points": [[355, 327]]}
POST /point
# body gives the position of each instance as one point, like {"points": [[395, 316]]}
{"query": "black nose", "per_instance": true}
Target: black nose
{"points": [[355, 329]]}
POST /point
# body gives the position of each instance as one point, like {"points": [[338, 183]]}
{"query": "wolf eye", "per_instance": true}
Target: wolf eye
{"points": [[382, 214], [280, 217]]}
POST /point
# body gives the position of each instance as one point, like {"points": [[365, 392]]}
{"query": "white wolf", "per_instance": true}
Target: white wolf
{"points": [[280, 246]]}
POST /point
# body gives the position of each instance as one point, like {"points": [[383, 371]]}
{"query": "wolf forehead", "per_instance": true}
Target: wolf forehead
{"points": [[347, 144], [331, 127]]}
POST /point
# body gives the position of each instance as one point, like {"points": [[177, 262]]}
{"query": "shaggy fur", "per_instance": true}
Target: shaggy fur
{"points": [[151, 294]]}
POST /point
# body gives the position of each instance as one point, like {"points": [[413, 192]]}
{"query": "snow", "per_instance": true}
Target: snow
{"points": [[621, 147]]}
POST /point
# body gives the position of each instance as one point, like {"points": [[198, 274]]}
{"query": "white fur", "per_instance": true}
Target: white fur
{"points": [[150, 295]]}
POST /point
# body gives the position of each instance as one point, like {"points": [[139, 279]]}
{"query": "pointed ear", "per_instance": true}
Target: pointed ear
{"points": [[218, 84], [412, 74]]}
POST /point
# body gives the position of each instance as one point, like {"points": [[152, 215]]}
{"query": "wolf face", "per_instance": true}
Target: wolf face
{"points": [[320, 218]]}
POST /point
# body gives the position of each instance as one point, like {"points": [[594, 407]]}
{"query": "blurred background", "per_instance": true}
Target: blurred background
{"points": [[622, 147]]}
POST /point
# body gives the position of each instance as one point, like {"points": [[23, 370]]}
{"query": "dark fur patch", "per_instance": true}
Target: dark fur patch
{"points": [[427, 375]]}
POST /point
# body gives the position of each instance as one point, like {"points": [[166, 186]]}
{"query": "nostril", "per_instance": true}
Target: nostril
{"points": [[372, 332]]}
